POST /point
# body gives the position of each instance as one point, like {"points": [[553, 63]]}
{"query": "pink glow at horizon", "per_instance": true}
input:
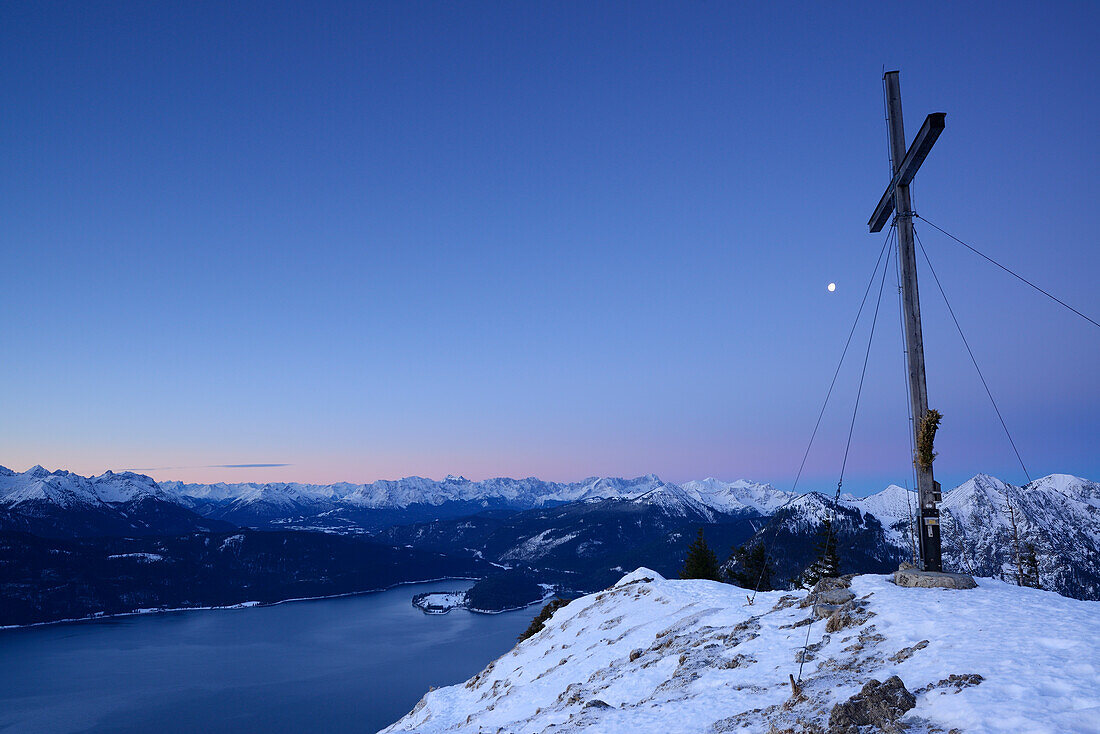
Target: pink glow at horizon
{"points": [[612, 458], [757, 461]]}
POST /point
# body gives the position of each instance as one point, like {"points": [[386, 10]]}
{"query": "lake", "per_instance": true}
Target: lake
{"points": [[354, 663]]}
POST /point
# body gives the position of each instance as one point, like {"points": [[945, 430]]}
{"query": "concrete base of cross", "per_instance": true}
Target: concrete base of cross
{"points": [[914, 577]]}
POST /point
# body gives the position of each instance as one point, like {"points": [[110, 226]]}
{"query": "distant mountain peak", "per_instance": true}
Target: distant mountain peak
{"points": [[674, 500], [988, 480], [63, 504]]}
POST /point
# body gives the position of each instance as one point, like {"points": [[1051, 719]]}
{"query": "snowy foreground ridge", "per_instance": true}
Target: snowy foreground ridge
{"points": [[656, 655]]}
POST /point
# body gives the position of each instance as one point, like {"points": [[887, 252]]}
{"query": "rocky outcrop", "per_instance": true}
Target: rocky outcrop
{"points": [[877, 705], [695, 656]]}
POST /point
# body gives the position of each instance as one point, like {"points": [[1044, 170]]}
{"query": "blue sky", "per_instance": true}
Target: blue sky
{"points": [[554, 239]]}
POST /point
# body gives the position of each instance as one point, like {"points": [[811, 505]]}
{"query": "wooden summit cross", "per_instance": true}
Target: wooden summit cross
{"points": [[896, 199]]}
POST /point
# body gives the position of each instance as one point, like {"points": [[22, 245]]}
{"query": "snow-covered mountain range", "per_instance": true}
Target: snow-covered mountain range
{"points": [[347, 507], [264, 500], [526, 493], [1058, 515], [64, 504]]}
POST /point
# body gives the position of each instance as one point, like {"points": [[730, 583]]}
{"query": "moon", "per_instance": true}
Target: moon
{"points": [[831, 287]]}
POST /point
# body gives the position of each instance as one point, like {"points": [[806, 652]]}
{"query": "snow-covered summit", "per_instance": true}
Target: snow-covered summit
{"points": [[63, 504], [738, 496], [1070, 486], [594, 488], [66, 489], [674, 501], [807, 510], [640, 574], [691, 656], [894, 503]]}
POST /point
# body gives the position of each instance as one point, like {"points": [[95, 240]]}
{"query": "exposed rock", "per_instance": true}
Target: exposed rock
{"points": [[785, 601], [934, 579], [957, 682], [800, 727], [905, 653], [835, 596], [739, 661], [831, 601], [696, 661], [743, 632], [877, 705], [824, 611], [840, 620], [799, 623], [828, 590], [809, 652]]}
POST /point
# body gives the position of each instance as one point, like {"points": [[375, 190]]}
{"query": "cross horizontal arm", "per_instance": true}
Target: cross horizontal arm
{"points": [[918, 151]]}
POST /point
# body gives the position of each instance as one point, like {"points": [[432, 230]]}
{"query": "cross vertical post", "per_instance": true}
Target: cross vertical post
{"points": [[929, 528]]}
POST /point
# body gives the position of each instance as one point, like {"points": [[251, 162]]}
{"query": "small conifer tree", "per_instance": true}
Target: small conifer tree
{"points": [[1030, 563], [1017, 555], [701, 563], [827, 562], [751, 568], [541, 618]]}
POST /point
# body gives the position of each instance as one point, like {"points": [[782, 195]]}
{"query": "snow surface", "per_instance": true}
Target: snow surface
{"points": [[706, 661], [640, 574], [537, 546], [439, 602], [145, 557]]}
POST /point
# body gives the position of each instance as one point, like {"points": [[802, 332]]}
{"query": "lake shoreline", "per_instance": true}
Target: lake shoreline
{"points": [[238, 605], [351, 663]]}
